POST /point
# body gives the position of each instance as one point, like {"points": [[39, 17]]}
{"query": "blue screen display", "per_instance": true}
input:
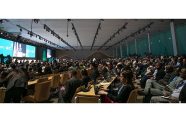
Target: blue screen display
{"points": [[6, 47], [30, 51]]}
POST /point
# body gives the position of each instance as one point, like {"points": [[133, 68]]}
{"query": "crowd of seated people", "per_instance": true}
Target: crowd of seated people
{"points": [[158, 76]]}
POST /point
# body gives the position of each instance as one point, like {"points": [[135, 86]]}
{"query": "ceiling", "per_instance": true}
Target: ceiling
{"points": [[86, 30]]}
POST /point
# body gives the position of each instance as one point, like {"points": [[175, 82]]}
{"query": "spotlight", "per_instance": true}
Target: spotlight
{"points": [[31, 34], [36, 20]]}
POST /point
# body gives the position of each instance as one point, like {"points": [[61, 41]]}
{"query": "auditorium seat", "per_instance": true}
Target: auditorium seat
{"points": [[41, 94], [65, 76], [133, 96], [87, 99], [55, 81]]}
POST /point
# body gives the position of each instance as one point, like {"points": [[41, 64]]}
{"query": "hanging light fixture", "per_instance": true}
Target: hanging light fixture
{"points": [[68, 20]]}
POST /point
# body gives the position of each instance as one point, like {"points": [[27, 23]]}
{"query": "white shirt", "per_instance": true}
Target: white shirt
{"points": [[154, 74]]}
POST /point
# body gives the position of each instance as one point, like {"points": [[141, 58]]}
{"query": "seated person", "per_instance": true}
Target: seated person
{"points": [[169, 76], [172, 96], [156, 75], [105, 72], [114, 86], [124, 91], [70, 87], [172, 85], [86, 79], [147, 74], [31, 73], [154, 84], [182, 96]]}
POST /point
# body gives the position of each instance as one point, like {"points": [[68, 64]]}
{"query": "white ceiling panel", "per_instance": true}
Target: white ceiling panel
{"points": [[85, 28]]}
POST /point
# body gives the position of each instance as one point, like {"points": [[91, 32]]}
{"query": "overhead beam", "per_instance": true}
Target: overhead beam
{"points": [[75, 32], [57, 36], [131, 35], [99, 27], [36, 35], [113, 35]]}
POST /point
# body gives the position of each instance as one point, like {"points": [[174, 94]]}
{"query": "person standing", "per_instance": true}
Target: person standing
{"points": [[16, 84]]}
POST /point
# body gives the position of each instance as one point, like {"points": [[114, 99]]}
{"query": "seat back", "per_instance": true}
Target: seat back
{"points": [[87, 99], [133, 96], [77, 90], [64, 78], [42, 79], [55, 81], [2, 94], [42, 91]]}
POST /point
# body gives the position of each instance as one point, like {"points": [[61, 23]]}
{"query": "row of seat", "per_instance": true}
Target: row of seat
{"points": [[44, 86], [133, 97], [96, 99]]}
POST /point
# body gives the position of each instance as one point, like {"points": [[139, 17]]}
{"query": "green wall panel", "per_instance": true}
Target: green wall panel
{"points": [[181, 39], [161, 43]]}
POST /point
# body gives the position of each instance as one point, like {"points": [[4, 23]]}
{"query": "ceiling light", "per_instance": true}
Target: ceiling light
{"points": [[36, 20]]}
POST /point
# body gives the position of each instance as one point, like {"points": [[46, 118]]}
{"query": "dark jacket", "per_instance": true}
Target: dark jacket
{"points": [[95, 74], [182, 96], [48, 70], [86, 80], [122, 95], [114, 86], [160, 74], [70, 89], [167, 78]]}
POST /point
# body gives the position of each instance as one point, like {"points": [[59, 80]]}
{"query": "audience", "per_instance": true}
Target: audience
{"points": [[158, 76], [174, 95], [124, 90]]}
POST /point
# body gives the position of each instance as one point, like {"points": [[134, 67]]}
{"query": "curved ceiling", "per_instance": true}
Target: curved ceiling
{"points": [[85, 31]]}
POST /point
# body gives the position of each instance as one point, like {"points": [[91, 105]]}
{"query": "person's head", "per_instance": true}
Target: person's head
{"points": [[158, 65], [169, 69], [177, 71], [126, 76], [13, 66], [183, 73], [184, 60]]}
